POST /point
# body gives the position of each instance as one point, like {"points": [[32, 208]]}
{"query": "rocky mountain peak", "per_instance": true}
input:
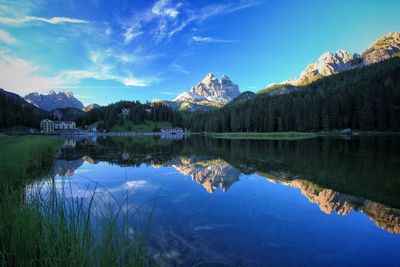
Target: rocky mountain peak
{"points": [[54, 100], [209, 77], [211, 89], [384, 48], [90, 107], [225, 78]]}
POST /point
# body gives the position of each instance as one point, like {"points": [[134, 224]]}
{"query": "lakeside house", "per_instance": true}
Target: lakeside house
{"points": [[171, 130], [49, 126]]}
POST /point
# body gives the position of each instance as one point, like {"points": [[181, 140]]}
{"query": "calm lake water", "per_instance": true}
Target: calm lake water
{"points": [[315, 202]]}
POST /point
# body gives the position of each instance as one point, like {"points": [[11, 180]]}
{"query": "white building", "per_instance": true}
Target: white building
{"points": [[49, 126], [171, 130], [64, 125]]}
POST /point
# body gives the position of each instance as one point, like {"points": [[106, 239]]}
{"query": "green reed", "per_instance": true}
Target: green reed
{"points": [[46, 227]]}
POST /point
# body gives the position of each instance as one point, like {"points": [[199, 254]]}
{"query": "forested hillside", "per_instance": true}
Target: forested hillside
{"points": [[110, 116], [14, 111], [367, 99]]}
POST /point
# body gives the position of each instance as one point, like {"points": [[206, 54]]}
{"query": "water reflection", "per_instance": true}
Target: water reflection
{"points": [[213, 172], [330, 201]]}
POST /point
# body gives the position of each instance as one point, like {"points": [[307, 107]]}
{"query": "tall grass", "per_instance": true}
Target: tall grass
{"points": [[49, 228], [266, 136]]}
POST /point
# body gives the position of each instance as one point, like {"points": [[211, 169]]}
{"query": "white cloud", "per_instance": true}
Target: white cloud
{"points": [[171, 12], [26, 19], [6, 37], [18, 76], [163, 8], [211, 40], [134, 82], [57, 20]]}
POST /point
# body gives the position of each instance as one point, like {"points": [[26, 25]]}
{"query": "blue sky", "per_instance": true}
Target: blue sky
{"points": [[107, 50]]}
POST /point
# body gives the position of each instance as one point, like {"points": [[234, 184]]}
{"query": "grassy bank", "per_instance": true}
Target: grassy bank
{"points": [[266, 136], [292, 135], [145, 127], [44, 227]]}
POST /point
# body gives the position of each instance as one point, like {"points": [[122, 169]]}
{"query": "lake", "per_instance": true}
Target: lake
{"points": [[214, 202]]}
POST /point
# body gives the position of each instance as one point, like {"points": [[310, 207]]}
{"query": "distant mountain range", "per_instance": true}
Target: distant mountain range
{"points": [[54, 100], [21, 101], [384, 48]]}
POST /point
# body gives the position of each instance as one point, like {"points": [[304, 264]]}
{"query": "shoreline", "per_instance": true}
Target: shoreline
{"points": [[292, 135], [222, 135]]}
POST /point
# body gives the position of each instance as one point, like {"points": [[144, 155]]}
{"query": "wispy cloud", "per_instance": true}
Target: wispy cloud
{"points": [[222, 9], [6, 37], [130, 34], [179, 68], [27, 19], [211, 40], [166, 18], [128, 80], [162, 15]]}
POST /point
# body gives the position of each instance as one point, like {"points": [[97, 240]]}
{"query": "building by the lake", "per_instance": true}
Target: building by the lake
{"points": [[171, 130], [49, 126]]}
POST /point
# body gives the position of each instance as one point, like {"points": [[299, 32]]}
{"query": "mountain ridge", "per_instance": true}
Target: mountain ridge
{"points": [[329, 63], [54, 100]]}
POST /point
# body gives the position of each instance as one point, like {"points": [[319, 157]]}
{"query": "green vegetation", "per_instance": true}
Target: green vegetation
{"points": [[267, 136], [142, 117], [43, 227], [366, 99], [273, 88], [144, 127], [13, 113], [25, 158], [16, 115]]}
